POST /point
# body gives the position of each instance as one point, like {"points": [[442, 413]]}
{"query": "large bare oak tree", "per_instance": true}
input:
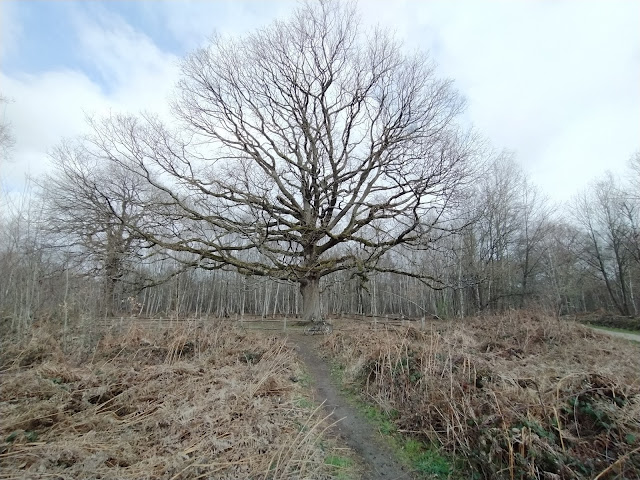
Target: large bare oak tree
{"points": [[305, 148]]}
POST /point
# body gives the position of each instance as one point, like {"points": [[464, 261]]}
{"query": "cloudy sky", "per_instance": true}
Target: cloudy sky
{"points": [[557, 82]]}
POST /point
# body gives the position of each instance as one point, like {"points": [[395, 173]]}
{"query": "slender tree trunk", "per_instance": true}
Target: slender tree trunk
{"points": [[310, 290], [632, 297], [267, 298], [623, 286], [460, 289], [275, 299]]}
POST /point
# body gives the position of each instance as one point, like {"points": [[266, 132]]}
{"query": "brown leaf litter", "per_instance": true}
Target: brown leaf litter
{"points": [[193, 401], [518, 396]]}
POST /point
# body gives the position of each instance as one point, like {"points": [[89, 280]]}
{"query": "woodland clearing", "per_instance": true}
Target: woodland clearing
{"points": [[190, 401], [519, 395]]}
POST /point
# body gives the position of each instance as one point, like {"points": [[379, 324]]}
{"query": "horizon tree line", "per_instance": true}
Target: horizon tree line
{"points": [[330, 176]]}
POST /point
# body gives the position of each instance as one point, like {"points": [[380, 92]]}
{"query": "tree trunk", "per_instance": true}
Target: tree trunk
{"points": [[310, 290], [109, 295]]}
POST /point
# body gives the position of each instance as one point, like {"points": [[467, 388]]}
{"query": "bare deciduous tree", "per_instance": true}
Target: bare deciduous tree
{"points": [[634, 170], [600, 213], [531, 251], [308, 147], [7, 139], [90, 210]]}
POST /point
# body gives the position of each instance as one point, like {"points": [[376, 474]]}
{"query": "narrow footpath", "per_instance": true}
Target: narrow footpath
{"points": [[626, 335], [355, 431]]}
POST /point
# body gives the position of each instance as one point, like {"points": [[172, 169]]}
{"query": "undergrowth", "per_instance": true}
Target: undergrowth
{"points": [[193, 401], [519, 396], [425, 458]]}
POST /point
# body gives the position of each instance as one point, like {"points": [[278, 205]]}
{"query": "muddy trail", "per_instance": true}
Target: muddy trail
{"points": [[375, 455], [626, 335]]}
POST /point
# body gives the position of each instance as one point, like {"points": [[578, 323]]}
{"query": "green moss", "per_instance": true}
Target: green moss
{"points": [[338, 461], [342, 468], [302, 402], [426, 460], [304, 379], [380, 419]]}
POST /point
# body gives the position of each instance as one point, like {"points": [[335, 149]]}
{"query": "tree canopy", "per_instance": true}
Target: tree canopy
{"points": [[304, 148]]}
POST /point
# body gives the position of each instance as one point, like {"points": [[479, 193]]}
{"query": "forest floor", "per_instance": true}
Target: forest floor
{"points": [[521, 395], [161, 401], [148, 399], [515, 396]]}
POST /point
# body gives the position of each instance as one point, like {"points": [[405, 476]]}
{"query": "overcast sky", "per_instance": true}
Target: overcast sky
{"points": [[557, 82]]}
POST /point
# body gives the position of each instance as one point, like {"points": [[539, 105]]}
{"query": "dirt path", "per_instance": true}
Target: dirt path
{"points": [[377, 457], [628, 336]]}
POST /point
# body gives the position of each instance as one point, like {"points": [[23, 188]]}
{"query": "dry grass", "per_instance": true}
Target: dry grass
{"points": [[195, 401], [520, 396]]}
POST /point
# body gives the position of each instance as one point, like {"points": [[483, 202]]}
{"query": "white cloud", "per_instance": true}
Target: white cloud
{"points": [[10, 28], [49, 106], [193, 22], [139, 74], [52, 105], [601, 140], [45, 108], [555, 81]]}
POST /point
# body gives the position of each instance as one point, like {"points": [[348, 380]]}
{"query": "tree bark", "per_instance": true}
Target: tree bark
{"points": [[112, 274], [310, 290]]}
